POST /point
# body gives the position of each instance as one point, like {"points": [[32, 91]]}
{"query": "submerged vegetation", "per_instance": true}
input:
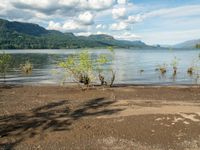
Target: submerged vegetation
{"points": [[174, 65], [198, 46], [27, 67], [162, 69], [4, 64], [88, 69], [84, 69], [190, 71]]}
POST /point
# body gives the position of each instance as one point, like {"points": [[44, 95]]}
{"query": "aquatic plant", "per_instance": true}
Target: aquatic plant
{"points": [[27, 67], [162, 69], [4, 64], [105, 59], [141, 70], [174, 65], [190, 71], [198, 46], [194, 69], [84, 69]]}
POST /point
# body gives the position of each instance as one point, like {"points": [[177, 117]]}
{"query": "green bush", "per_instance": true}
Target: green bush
{"points": [[27, 67], [4, 64], [84, 69]]}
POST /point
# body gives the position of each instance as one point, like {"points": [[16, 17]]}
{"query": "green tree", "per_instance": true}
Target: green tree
{"points": [[84, 69], [79, 67], [4, 64]]}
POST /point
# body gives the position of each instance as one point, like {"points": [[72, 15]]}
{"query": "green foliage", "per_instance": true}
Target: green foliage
{"points": [[4, 64], [103, 73], [194, 69], [174, 64], [27, 67], [84, 69], [79, 67], [162, 69], [111, 49], [197, 45]]}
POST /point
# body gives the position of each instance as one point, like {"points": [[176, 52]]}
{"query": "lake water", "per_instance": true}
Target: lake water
{"points": [[127, 64]]}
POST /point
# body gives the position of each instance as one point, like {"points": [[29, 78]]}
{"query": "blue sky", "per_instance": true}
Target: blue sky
{"points": [[152, 21]]}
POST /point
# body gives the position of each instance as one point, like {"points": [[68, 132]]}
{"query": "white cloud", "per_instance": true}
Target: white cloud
{"points": [[83, 34], [69, 3], [119, 13], [119, 26], [134, 19], [99, 33], [5, 6], [90, 33], [73, 26], [37, 3], [80, 4], [68, 26], [54, 26], [122, 2], [127, 36], [96, 4], [182, 11], [86, 18], [100, 26]]}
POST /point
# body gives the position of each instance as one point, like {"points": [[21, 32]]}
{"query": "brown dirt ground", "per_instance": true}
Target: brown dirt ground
{"points": [[130, 117]]}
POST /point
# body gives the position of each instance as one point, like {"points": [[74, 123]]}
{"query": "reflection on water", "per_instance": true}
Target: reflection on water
{"points": [[128, 65]]}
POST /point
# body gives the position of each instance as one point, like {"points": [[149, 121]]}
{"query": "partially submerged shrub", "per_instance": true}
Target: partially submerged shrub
{"points": [[104, 59], [27, 67], [141, 71], [190, 70], [84, 69], [194, 69], [4, 64], [174, 65], [79, 67], [162, 69]]}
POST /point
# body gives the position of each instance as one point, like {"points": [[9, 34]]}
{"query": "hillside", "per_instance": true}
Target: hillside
{"points": [[188, 44], [18, 35]]}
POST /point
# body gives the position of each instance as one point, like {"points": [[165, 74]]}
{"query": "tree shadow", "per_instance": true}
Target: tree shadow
{"points": [[93, 108], [9, 86], [56, 116]]}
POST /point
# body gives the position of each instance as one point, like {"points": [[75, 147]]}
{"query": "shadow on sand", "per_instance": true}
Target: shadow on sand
{"points": [[56, 116]]}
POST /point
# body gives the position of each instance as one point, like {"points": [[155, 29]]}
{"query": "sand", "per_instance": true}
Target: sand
{"points": [[128, 117]]}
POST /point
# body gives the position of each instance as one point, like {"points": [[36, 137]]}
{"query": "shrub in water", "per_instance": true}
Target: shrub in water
{"points": [[27, 67], [84, 69], [4, 64]]}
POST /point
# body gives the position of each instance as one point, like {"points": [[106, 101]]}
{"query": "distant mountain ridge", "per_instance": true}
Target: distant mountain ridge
{"points": [[188, 44], [18, 35]]}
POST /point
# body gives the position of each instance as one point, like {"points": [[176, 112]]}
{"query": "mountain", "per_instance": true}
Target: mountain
{"points": [[188, 44], [18, 35]]}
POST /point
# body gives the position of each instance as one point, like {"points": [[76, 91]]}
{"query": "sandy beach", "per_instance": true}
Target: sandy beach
{"points": [[128, 117]]}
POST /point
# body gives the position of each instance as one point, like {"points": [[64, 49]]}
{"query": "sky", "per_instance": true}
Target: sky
{"points": [[164, 22]]}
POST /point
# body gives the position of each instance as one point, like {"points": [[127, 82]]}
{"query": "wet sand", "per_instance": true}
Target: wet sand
{"points": [[123, 117]]}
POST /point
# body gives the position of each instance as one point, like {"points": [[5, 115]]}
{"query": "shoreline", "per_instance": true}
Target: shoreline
{"points": [[120, 85]]}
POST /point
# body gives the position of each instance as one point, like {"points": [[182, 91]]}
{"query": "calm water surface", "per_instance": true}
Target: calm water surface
{"points": [[127, 64]]}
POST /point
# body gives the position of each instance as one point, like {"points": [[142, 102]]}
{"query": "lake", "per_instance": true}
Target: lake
{"points": [[127, 63]]}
